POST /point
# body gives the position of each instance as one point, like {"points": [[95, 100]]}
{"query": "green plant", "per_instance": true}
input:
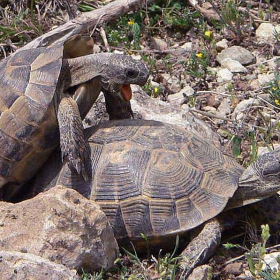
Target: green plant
{"points": [[256, 255], [273, 88], [131, 266], [197, 65], [231, 16]]}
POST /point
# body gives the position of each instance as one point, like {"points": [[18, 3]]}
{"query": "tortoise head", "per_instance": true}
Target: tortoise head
{"points": [[259, 181], [121, 71]]}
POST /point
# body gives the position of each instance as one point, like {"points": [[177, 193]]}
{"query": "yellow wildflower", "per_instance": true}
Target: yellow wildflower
{"points": [[274, 88], [156, 89], [207, 33], [131, 22], [277, 102], [199, 55]]}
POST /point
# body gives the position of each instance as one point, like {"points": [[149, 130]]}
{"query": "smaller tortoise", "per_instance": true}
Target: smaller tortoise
{"points": [[37, 86], [161, 180]]}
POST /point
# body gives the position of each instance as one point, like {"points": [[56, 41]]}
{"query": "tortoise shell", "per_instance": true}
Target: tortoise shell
{"points": [[153, 178], [30, 91]]}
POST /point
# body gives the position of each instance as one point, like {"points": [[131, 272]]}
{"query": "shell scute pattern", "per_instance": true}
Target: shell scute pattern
{"points": [[105, 135], [17, 128], [14, 149], [29, 81], [164, 216], [156, 189], [120, 166], [136, 222], [169, 175], [182, 182]]}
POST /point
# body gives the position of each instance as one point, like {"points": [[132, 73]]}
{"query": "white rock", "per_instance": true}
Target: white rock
{"points": [[238, 53], [242, 106], [209, 109], [271, 261], [136, 57], [255, 84], [188, 46], [158, 44], [224, 75], [267, 30], [177, 98], [233, 66], [187, 90], [221, 45], [265, 78], [263, 150], [224, 107]]}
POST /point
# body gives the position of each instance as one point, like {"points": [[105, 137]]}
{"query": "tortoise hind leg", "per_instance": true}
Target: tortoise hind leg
{"points": [[201, 248], [74, 148]]}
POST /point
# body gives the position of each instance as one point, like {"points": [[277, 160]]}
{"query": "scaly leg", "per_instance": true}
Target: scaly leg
{"points": [[201, 248], [74, 148]]}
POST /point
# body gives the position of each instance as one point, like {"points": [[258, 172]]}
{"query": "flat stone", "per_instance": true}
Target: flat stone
{"points": [[267, 30], [221, 45], [21, 266], [158, 44], [243, 106], [177, 98], [203, 272], [224, 75], [188, 46], [224, 107], [237, 53], [234, 268], [62, 226], [233, 66], [265, 78]]}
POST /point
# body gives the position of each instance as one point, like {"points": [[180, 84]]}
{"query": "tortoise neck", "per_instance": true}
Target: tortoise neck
{"points": [[82, 69]]}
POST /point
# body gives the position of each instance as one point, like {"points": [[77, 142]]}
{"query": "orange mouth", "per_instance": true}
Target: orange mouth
{"points": [[126, 92]]}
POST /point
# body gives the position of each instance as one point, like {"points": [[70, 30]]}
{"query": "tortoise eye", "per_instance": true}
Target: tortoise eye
{"points": [[131, 73]]}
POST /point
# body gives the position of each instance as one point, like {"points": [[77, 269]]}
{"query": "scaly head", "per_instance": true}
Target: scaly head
{"points": [[260, 180], [120, 71], [117, 72]]}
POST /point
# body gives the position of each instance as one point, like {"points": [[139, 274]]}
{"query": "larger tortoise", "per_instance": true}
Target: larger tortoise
{"points": [[37, 86], [160, 180]]}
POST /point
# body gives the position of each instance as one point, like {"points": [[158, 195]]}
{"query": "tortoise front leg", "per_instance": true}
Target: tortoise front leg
{"points": [[201, 248], [74, 148]]}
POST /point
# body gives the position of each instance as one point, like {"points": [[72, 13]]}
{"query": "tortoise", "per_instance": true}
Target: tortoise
{"points": [[38, 88], [161, 180]]}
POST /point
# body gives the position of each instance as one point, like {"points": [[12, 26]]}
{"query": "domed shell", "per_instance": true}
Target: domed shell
{"points": [[154, 178], [31, 87]]}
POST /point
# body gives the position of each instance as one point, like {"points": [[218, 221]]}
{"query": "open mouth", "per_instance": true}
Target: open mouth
{"points": [[126, 92]]}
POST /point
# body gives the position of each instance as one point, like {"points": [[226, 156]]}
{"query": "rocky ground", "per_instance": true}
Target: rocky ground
{"points": [[218, 60]]}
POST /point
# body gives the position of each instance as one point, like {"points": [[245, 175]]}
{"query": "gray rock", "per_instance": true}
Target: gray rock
{"points": [[21, 266], [177, 98], [158, 44], [61, 226], [221, 45], [237, 53], [234, 268], [203, 272], [188, 46], [224, 75], [224, 107], [267, 30], [270, 261], [181, 97], [233, 66], [265, 78], [242, 106]]}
